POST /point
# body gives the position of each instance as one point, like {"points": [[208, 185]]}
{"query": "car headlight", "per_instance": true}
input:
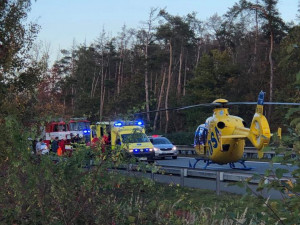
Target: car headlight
{"points": [[174, 148], [150, 150], [156, 149]]}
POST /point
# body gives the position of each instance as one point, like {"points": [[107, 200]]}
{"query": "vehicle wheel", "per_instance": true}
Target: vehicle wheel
{"points": [[174, 157]]}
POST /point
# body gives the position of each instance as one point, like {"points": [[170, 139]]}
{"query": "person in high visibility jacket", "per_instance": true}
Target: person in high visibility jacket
{"points": [[59, 151], [62, 145]]}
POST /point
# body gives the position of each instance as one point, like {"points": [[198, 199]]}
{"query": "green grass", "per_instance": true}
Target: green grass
{"points": [[173, 204]]}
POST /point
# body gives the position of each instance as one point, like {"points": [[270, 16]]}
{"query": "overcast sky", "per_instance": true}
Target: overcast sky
{"points": [[63, 21]]}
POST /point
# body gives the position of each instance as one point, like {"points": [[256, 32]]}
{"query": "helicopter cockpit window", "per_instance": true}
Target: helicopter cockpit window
{"points": [[200, 135]]}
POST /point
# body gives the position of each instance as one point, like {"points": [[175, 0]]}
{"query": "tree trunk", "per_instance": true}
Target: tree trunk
{"points": [[179, 73], [151, 81], [122, 72], [155, 84], [148, 39], [160, 97], [95, 87], [92, 89], [168, 87], [72, 99], [253, 61], [160, 121], [185, 72], [271, 73], [102, 97], [198, 51], [146, 80], [102, 90], [119, 77], [116, 81]]}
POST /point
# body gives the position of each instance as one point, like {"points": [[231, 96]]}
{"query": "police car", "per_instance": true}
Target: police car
{"points": [[163, 147]]}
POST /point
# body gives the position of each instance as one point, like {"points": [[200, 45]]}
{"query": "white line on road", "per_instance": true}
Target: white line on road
{"points": [[237, 162]]}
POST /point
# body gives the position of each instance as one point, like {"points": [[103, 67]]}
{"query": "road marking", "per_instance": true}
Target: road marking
{"points": [[237, 162], [264, 162]]}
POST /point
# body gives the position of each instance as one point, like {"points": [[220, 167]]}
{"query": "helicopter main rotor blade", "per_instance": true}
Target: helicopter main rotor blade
{"points": [[218, 104], [241, 103], [159, 110], [265, 103], [180, 108], [281, 103], [198, 105]]}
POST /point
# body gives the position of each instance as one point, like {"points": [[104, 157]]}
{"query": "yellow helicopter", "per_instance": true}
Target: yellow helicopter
{"points": [[221, 139]]}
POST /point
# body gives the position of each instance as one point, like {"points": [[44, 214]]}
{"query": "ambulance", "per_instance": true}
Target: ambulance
{"points": [[129, 135]]}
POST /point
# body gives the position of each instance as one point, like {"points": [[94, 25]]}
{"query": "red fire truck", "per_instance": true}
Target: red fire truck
{"points": [[80, 127], [56, 129]]}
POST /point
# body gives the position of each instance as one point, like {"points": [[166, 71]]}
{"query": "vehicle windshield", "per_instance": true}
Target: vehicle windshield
{"points": [[78, 126], [60, 127], [161, 141], [134, 138]]}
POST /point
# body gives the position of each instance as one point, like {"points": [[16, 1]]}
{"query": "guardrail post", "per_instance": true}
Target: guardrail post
{"points": [[218, 183], [221, 176], [152, 175], [182, 176], [129, 167]]}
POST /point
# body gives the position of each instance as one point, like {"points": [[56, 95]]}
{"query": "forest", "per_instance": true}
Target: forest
{"points": [[171, 61]]}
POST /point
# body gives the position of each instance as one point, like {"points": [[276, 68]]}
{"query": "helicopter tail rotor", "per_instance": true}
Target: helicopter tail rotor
{"points": [[259, 134]]}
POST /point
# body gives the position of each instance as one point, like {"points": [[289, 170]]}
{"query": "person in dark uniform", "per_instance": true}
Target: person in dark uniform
{"points": [[76, 138], [34, 146], [54, 145]]}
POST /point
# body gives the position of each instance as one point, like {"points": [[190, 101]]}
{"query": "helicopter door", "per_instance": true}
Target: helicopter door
{"points": [[200, 139]]}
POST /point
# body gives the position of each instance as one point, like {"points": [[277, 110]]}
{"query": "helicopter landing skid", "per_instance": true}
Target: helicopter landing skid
{"points": [[208, 162], [232, 166]]}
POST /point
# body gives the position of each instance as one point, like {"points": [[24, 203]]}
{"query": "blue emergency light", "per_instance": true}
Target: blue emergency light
{"points": [[118, 124], [86, 131], [136, 150], [129, 123], [139, 123]]}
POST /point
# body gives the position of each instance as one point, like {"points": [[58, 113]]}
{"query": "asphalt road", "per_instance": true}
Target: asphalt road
{"points": [[257, 167]]}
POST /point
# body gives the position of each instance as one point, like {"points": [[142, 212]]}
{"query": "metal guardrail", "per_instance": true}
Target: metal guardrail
{"points": [[249, 152], [218, 180], [182, 173]]}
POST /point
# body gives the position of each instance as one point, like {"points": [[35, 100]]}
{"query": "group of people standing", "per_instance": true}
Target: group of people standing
{"points": [[57, 146], [105, 141], [40, 147]]}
